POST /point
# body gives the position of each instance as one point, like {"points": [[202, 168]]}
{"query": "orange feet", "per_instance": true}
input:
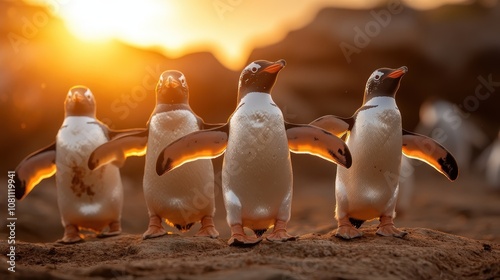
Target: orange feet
{"points": [[71, 235], [280, 234], [346, 230], [386, 228], [114, 229], [207, 228], [239, 238], [155, 229]]}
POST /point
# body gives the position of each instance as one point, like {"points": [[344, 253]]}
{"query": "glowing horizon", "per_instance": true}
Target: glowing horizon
{"points": [[229, 29]]}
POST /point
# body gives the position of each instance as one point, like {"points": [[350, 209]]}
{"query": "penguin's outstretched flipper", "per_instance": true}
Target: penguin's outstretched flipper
{"points": [[196, 145], [335, 125], [307, 139], [431, 152], [113, 134], [118, 149], [33, 169]]}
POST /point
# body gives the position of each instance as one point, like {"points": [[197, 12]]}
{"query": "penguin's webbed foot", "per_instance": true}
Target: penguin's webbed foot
{"points": [[155, 229], [387, 228], [346, 230], [71, 235], [70, 240], [240, 239], [280, 234], [114, 229], [207, 228], [243, 240]]}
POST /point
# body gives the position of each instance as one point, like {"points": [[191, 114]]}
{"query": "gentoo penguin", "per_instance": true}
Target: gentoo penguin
{"points": [[369, 189], [256, 171], [182, 197], [87, 199]]}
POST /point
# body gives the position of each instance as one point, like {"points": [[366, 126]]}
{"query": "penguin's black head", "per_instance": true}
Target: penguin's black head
{"points": [[259, 76], [172, 88], [80, 102], [384, 82]]}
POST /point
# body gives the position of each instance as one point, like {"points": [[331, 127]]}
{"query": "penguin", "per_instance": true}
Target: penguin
{"points": [[488, 164], [87, 199], [369, 189], [445, 122], [493, 165], [256, 170], [185, 196]]}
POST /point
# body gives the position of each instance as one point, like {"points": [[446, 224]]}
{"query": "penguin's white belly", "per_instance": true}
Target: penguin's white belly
{"points": [[186, 194], [257, 172], [369, 188], [88, 199]]}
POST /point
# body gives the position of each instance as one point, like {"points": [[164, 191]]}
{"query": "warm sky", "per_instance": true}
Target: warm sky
{"points": [[230, 29]]}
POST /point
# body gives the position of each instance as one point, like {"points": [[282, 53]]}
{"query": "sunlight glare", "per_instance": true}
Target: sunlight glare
{"points": [[129, 21], [229, 29]]}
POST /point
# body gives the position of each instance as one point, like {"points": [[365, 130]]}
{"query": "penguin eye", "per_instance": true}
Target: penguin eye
{"points": [[253, 69], [183, 81], [377, 75], [88, 95]]}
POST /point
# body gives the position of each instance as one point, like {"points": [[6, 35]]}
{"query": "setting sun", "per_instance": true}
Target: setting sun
{"points": [[124, 20], [229, 29]]}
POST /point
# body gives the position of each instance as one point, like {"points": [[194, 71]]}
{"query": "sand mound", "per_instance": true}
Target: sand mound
{"points": [[424, 253]]}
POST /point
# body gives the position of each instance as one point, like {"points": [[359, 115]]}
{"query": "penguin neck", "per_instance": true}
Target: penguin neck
{"points": [[257, 97], [80, 114], [369, 96], [163, 107], [73, 121], [381, 101], [243, 95]]}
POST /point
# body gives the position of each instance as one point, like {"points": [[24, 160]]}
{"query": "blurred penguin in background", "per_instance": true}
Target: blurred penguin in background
{"points": [[452, 128], [488, 163]]}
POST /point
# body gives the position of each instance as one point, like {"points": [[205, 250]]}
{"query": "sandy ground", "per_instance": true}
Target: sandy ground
{"points": [[424, 254], [454, 233]]}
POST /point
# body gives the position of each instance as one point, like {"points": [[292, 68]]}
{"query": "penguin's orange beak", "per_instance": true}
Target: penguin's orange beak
{"points": [[77, 97], [275, 67], [398, 72], [171, 83]]}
